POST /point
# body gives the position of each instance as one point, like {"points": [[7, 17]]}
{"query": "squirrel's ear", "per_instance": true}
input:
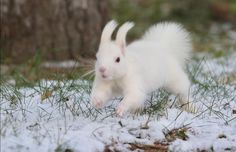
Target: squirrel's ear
{"points": [[121, 35], [107, 31]]}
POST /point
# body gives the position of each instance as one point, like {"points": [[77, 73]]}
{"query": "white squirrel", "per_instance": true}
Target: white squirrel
{"points": [[156, 60]]}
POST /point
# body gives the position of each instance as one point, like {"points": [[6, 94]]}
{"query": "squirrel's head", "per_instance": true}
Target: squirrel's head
{"points": [[111, 62]]}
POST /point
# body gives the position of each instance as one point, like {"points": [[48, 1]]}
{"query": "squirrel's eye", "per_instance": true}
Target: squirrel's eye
{"points": [[118, 59]]}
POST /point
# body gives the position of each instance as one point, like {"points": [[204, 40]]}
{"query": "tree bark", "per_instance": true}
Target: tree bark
{"points": [[58, 29]]}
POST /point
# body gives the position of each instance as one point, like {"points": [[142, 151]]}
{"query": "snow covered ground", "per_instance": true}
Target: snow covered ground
{"points": [[57, 116]]}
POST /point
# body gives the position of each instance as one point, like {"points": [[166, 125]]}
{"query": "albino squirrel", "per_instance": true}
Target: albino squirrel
{"points": [[135, 70]]}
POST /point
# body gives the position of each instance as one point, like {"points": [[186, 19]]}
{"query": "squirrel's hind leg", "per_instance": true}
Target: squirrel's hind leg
{"points": [[180, 86]]}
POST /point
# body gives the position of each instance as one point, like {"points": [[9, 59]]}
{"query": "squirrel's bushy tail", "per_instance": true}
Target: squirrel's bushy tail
{"points": [[172, 37]]}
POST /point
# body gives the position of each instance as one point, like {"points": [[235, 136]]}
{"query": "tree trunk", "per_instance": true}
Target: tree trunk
{"points": [[57, 29]]}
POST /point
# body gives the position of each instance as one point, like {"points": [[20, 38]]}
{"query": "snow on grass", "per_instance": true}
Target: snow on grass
{"points": [[57, 116], [221, 65]]}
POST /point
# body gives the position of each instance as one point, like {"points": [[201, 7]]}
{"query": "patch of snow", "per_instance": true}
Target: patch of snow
{"points": [[232, 35], [220, 66], [66, 120], [62, 64]]}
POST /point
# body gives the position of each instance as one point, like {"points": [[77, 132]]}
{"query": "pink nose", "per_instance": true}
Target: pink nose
{"points": [[102, 69]]}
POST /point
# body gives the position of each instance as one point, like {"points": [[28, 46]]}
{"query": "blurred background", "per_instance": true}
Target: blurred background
{"points": [[58, 38]]}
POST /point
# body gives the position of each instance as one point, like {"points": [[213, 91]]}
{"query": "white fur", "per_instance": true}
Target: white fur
{"points": [[107, 31], [154, 61], [121, 34]]}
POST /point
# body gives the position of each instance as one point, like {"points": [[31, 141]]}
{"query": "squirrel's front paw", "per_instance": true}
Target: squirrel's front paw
{"points": [[97, 102], [121, 109]]}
